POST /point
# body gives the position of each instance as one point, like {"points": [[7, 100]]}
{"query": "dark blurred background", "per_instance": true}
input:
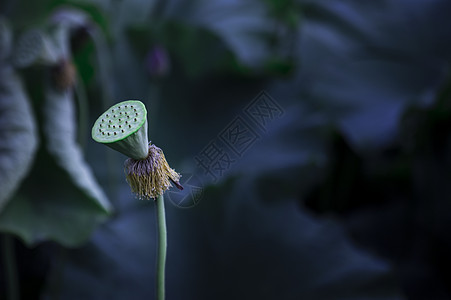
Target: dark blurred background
{"points": [[314, 140]]}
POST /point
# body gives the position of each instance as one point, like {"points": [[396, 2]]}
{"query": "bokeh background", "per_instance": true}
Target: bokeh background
{"points": [[314, 140]]}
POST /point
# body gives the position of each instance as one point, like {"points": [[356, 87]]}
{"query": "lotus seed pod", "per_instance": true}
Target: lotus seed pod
{"points": [[123, 127], [34, 47]]}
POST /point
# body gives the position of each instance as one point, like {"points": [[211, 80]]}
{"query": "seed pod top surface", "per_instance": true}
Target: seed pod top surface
{"points": [[123, 127]]}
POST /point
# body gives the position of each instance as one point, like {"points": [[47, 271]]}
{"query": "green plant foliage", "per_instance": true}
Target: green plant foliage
{"points": [[35, 47], [279, 264], [60, 132], [71, 203], [5, 39], [17, 133], [50, 206]]}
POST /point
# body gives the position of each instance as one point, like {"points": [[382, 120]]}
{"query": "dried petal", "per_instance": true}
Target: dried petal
{"points": [[152, 176]]}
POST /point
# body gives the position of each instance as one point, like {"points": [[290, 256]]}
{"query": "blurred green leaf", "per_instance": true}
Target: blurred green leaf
{"points": [[228, 247], [61, 136], [34, 47], [198, 50], [240, 25], [5, 39], [60, 200], [60, 125], [51, 207], [17, 134], [361, 69]]}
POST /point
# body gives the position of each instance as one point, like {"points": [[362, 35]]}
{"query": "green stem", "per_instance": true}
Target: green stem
{"points": [[9, 261], [162, 247]]}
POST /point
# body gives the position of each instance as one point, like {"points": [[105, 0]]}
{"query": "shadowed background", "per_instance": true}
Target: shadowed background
{"points": [[313, 138]]}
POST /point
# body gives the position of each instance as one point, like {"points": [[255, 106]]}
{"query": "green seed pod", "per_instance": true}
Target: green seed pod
{"points": [[123, 127], [35, 47]]}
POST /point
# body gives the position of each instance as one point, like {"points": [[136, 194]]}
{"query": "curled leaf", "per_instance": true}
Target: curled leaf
{"points": [[17, 134], [35, 47], [70, 17], [60, 131]]}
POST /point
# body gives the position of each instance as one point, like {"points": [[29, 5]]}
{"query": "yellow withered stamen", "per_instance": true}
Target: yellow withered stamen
{"points": [[150, 177]]}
